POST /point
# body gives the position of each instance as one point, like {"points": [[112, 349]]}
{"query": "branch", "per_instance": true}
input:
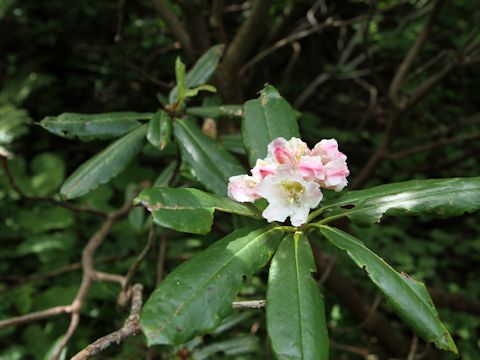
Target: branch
{"points": [[427, 147], [89, 273], [250, 304], [217, 21], [36, 316], [401, 73], [175, 27], [131, 327], [195, 24], [246, 37], [125, 293]]}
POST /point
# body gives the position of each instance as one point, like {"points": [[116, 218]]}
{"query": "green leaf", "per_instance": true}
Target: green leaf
{"points": [[180, 76], [105, 165], [435, 197], [194, 92], [216, 112], [228, 348], [193, 299], [201, 71], [213, 165], [160, 129], [189, 210], [295, 309], [48, 173], [409, 298], [166, 176], [93, 126], [265, 119]]}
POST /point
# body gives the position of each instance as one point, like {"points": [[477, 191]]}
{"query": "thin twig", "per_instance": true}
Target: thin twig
{"points": [[131, 327], [35, 316], [124, 294], [401, 73], [413, 348], [427, 147], [250, 304]]}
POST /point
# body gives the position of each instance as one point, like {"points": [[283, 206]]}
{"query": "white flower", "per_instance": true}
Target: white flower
{"points": [[242, 188], [288, 194]]}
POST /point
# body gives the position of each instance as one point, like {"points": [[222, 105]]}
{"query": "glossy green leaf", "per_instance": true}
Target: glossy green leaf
{"points": [[213, 165], [295, 309], [435, 197], [265, 119], [193, 299], [189, 210], [201, 72], [409, 298], [216, 112], [105, 165], [160, 129], [93, 126]]}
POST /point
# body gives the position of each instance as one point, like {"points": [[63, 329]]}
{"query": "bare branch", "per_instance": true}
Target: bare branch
{"points": [[36, 316], [427, 147], [250, 304], [246, 37], [131, 327], [402, 71], [217, 21], [175, 27]]}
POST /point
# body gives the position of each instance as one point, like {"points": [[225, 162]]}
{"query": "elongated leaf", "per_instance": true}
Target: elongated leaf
{"points": [[435, 197], [265, 119], [408, 297], [216, 112], [180, 76], [93, 126], [295, 310], [201, 71], [105, 165], [189, 210], [194, 298], [213, 165], [160, 129]]}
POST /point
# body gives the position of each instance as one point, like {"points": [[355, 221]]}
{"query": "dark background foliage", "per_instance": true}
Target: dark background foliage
{"points": [[335, 61]]}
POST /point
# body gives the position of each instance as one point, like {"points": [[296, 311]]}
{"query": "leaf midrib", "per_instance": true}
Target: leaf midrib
{"points": [[205, 283], [299, 299], [359, 207]]}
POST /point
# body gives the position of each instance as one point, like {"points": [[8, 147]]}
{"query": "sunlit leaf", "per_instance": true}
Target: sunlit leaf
{"points": [[93, 126], [436, 198], [265, 119], [196, 296]]}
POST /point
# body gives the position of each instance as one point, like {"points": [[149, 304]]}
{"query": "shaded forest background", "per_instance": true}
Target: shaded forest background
{"points": [[397, 83]]}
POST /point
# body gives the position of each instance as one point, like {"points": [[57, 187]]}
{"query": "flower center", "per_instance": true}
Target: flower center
{"points": [[293, 190]]}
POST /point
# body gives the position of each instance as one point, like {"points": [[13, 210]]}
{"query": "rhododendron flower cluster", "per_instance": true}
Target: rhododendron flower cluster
{"points": [[290, 178]]}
